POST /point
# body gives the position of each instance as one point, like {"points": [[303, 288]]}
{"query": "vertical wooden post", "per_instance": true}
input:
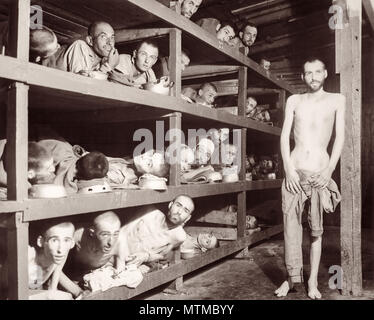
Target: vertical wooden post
{"points": [[19, 29], [349, 41], [175, 53], [17, 140], [17, 246], [175, 127], [242, 196]]}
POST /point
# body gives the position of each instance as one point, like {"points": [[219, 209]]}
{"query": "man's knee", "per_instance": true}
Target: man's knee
{"points": [[316, 238]]}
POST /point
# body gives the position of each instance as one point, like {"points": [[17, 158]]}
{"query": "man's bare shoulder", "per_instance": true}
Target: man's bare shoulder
{"points": [[337, 99], [293, 101]]}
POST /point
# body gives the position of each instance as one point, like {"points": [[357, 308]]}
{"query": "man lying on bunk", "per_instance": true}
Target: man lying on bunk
{"points": [[136, 69], [45, 49], [151, 235], [95, 56], [44, 46], [96, 246], [247, 35], [53, 241], [40, 164], [207, 94], [224, 31]]}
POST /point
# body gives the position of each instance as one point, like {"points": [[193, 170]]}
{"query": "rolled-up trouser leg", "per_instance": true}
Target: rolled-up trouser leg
{"points": [[293, 235]]}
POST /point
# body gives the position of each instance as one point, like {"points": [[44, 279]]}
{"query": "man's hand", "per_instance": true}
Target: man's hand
{"points": [[293, 181], [112, 59], [137, 258], [119, 77], [321, 179]]}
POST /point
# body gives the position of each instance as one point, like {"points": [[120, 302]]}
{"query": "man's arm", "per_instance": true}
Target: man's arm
{"points": [[69, 285], [325, 175], [77, 58], [292, 178]]}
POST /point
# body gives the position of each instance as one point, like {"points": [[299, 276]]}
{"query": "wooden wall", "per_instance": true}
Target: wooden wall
{"points": [[368, 136]]}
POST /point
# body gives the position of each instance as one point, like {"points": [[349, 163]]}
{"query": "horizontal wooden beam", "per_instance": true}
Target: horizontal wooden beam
{"points": [[36, 209], [203, 71], [70, 93], [230, 218], [128, 35]]}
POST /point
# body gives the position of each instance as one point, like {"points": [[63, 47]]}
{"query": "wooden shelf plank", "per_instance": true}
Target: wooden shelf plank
{"points": [[35, 209], [71, 92], [158, 278], [203, 71]]}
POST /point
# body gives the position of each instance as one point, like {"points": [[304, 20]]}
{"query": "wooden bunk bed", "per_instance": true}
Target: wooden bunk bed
{"points": [[95, 101]]}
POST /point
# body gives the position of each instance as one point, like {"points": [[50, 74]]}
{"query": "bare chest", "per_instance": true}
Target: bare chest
{"points": [[314, 113]]}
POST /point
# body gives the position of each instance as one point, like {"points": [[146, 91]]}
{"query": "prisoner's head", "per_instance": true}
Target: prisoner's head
{"points": [[145, 55], [93, 165], [230, 152], [41, 169], [185, 60], [43, 44], [180, 210], [225, 32], [204, 151], [265, 64], [207, 241], [186, 155], [315, 74], [248, 34], [54, 240], [189, 7], [208, 93], [189, 93], [105, 230], [251, 105], [101, 38], [152, 162]]}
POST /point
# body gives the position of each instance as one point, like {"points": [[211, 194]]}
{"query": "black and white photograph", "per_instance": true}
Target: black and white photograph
{"points": [[204, 151]]}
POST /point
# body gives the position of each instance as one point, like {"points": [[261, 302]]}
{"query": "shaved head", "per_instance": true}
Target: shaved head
{"points": [[98, 26], [186, 198], [104, 218], [42, 41]]}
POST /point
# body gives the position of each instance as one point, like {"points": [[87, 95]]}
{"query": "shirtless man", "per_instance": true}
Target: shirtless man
{"points": [[96, 245], [151, 235], [313, 115]]}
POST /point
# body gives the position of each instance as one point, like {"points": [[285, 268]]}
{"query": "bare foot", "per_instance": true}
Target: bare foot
{"points": [[313, 292], [282, 291]]}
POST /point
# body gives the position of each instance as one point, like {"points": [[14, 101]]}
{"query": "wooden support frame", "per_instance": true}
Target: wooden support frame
{"points": [[87, 91], [348, 51], [129, 35], [175, 57], [175, 128], [17, 140], [17, 246]]}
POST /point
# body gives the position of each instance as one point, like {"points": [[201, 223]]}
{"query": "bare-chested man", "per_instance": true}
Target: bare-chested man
{"points": [[96, 245], [308, 169]]}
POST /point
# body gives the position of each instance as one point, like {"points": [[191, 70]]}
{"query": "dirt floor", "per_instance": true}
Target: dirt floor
{"points": [[258, 275]]}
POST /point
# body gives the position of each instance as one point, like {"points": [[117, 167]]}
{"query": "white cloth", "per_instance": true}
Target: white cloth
{"points": [[106, 277]]}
